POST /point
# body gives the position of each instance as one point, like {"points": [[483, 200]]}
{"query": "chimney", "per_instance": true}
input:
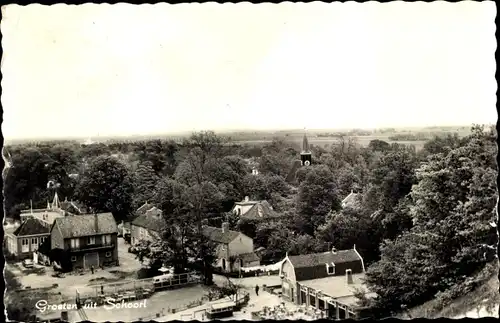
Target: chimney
{"points": [[225, 227], [348, 274]]}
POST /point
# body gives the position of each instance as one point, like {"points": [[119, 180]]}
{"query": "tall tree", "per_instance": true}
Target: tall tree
{"points": [[107, 187], [316, 198], [144, 180]]}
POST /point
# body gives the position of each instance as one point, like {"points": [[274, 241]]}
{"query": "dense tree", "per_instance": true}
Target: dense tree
{"points": [[392, 178], [379, 145], [349, 227], [107, 187], [317, 196], [453, 204], [144, 180], [263, 186]]}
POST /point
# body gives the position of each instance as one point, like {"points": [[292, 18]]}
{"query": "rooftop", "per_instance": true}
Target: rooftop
{"points": [[217, 235], [151, 219], [337, 287], [50, 216], [350, 199], [31, 227], [260, 209], [85, 225], [313, 259]]}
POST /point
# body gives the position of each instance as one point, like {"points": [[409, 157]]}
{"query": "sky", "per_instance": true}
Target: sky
{"points": [[124, 69]]}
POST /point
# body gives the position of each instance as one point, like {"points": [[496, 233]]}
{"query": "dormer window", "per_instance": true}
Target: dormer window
{"points": [[330, 268]]}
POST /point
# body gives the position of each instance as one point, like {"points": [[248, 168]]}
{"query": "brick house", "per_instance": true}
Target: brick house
{"points": [[90, 240], [326, 281], [24, 241], [147, 226], [233, 249]]}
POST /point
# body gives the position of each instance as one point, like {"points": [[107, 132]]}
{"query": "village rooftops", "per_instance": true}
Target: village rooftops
{"points": [[150, 219], [220, 235], [48, 216], [32, 226], [73, 207], [86, 225], [249, 257], [258, 209]]}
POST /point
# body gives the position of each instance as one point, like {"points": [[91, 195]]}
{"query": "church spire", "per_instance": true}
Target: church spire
{"points": [[305, 143]]}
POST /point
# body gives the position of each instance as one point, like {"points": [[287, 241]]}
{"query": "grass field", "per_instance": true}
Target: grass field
{"points": [[321, 138]]}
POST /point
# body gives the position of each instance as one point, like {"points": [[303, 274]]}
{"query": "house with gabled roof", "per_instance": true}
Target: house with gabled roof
{"points": [[350, 200], [24, 241], [90, 240], [234, 249], [254, 210], [147, 226], [325, 281], [143, 208]]}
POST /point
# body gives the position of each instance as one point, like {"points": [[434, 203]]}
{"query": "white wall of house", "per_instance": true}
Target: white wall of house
{"points": [[242, 209], [141, 234], [287, 270], [241, 244]]}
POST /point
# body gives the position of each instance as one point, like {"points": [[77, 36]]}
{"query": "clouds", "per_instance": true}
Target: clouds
{"points": [[121, 69]]}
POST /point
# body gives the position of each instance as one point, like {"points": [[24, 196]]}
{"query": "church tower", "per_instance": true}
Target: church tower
{"points": [[305, 155]]}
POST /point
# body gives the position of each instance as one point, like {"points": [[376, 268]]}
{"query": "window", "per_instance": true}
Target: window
{"points": [[107, 239], [34, 244], [25, 245], [330, 268], [42, 239], [108, 254], [91, 240], [75, 243], [73, 258]]}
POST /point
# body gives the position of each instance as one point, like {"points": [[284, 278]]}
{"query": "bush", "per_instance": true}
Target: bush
{"points": [[147, 273]]}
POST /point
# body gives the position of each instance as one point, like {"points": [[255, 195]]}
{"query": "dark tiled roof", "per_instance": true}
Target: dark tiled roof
{"points": [[290, 178], [150, 220], [261, 209], [216, 234], [249, 257], [312, 266], [84, 225], [73, 207], [32, 226]]}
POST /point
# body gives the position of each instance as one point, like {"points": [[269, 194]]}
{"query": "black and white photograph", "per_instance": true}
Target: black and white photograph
{"points": [[238, 161]]}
